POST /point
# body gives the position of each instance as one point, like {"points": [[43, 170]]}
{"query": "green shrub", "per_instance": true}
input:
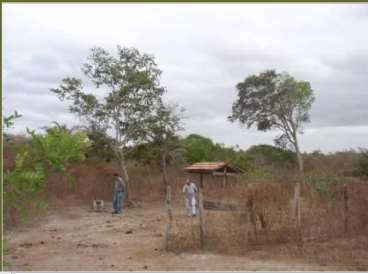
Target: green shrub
{"points": [[198, 149], [56, 150], [59, 147], [322, 182], [270, 155], [22, 185], [100, 148], [258, 173]]}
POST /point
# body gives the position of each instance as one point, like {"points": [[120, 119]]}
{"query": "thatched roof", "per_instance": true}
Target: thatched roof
{"points": [[211, 167]]}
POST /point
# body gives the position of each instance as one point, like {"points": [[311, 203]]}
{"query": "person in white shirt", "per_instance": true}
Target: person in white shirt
{"points": [[189, 191]]}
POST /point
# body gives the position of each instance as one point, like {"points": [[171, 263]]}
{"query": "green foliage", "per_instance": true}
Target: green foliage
{"points": [[258, 173], [198, 149], [145, 154], [272, 100], [162, 142], [8, 123], [236, 158], [164, 123], [100, 147], [59, 147], [9, 120], [321, 182], [56, 149], [134, 92], [22, 184], [242, 161]]}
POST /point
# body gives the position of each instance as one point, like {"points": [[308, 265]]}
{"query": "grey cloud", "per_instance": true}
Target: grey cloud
{"points": [[335, 138], [203, 52], [349, 66]]}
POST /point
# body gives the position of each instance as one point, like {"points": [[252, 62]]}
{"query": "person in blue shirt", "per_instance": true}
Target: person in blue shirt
{"points": [[119, 193]]}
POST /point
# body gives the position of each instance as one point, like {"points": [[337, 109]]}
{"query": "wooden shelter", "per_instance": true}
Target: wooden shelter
{"points": [[212, 168]]}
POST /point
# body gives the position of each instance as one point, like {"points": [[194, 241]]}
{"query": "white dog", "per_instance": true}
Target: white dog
{"points": [[98, 205]]}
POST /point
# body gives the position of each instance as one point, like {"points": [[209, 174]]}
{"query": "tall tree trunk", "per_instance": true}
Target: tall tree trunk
{"points": [[299, 157], [124, 171], [164, 170], [300, 165], [297, 188], [123, 168]]}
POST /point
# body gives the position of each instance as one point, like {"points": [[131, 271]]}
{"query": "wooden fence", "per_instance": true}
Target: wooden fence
{"points": [[248, 213]]}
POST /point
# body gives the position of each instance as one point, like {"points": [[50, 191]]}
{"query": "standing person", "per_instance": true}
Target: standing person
{"points": [[189, 190], [119, 191]]}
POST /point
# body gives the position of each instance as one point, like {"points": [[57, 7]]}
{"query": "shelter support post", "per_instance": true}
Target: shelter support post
{"points": [[224, 182], [201, 180], [201, 218]]}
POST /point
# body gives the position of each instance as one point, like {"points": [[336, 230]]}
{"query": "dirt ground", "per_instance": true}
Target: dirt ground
{"points": [[75, 238]]}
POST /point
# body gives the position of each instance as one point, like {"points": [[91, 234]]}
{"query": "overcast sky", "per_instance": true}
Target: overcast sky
{"points": [[204, 50]]}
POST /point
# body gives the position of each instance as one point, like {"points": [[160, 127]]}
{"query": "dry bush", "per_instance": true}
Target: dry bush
{"points": [[227, 232], [266, 220], [358, 206], [184, 234], [263, 218], [94, 180], [86, 181], [344, 163], [324, 216], [269, 204]]}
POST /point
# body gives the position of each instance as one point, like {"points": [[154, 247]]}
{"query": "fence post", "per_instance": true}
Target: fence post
{"points": [[170, 218], [346, 209], [245, 216], [201, 218]]}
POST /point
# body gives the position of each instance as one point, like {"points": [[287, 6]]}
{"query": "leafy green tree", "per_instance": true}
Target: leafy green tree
{"points": [[132, 82], [163, 145], [144, 154], [198, 148], [100, 145], [237, 158], [162, 133], [272, 100], [242, 160]]}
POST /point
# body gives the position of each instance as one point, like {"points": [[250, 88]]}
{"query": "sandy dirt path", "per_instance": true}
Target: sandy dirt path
{"points": [[77, 239]]}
